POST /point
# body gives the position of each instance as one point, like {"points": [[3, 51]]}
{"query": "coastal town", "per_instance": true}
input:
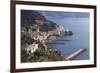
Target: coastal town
{"points": [[41, 39]]}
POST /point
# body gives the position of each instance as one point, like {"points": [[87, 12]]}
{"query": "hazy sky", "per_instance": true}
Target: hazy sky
{"points": [[56, 14]]}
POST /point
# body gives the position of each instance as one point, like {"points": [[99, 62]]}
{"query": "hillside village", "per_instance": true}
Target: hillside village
{"points": [[34, 40]]}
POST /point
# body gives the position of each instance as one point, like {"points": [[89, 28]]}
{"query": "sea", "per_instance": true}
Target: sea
{"points": [[80, 38]]}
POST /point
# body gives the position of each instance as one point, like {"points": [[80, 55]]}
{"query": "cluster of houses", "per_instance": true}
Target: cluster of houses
{"points": [[42, 37]]}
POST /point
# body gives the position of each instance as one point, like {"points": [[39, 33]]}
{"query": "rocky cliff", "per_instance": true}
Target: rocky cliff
{"points": [[29, 17]]}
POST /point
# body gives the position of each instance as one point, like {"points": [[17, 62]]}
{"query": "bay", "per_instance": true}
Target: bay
{"points": [[80, 38]]}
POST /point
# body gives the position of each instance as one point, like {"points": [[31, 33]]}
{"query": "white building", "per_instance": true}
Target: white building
{"points": [[31, 48]]}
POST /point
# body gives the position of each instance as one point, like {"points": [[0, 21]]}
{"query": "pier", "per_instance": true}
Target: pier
{"points": [[73, 55]]}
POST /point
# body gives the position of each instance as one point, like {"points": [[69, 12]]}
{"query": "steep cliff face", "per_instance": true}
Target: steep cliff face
{"points": [[29, 17]]}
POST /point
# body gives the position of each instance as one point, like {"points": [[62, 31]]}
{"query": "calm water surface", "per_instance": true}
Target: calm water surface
{"points": [[80, 38]]}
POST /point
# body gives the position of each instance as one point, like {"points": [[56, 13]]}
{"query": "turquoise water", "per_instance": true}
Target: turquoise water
{"points": [[80, 39]]}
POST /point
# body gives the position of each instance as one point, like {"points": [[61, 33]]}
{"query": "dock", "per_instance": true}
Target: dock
{"points": [[73, 55]]}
